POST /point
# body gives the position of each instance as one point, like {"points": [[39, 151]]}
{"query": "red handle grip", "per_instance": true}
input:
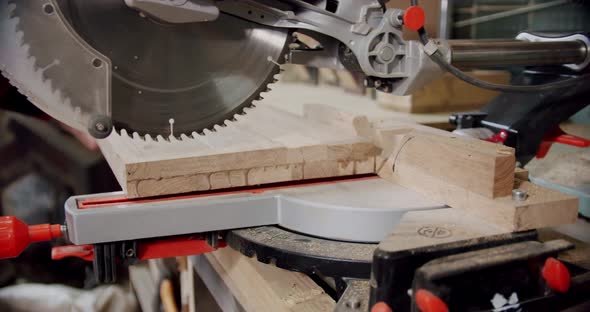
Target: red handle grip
{"points": [[15, 235]]}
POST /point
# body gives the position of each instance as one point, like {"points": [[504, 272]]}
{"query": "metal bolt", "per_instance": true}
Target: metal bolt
{"points": [[48, 9], [100, 126], [519, 195], [396, 18], [353, 303], [130, 253], [212, 238]]}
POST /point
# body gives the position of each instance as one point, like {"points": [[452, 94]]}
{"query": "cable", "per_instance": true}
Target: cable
{"points": [[439, 59]]}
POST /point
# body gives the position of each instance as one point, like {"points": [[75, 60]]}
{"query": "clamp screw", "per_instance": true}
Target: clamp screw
{"points": [[519, 195]]}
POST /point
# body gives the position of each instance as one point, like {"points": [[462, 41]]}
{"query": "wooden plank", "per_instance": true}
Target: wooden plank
{"points": [[447, 94], [483, 168], [266, 146], [274, 289], [144, 286], [425, 228], [412, 151], [475, 176]]}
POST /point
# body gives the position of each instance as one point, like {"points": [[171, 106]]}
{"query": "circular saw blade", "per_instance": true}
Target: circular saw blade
{"points": [[197, 75]]}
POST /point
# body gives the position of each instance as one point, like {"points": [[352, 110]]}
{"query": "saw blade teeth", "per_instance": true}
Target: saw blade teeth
{"points": [[148, 138], [28, 76], [123, 133]]}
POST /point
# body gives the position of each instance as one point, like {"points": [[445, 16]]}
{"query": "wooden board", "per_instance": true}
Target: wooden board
{"points": [[265, 146], [447, 94], [483, 168], [269, 145], [260, 287]]}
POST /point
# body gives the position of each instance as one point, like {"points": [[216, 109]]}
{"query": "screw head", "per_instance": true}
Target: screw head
{"points": [[519, 195]]}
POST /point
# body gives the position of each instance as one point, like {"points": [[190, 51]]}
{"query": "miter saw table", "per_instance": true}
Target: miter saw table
{"points": [[361, 210]]}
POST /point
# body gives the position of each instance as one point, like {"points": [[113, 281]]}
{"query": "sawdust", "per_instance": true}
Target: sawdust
{"points": [[571, 170]]}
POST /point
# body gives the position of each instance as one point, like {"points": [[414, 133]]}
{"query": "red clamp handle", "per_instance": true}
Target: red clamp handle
{"points": [[84, 252], [559, 136], [15, 235]]}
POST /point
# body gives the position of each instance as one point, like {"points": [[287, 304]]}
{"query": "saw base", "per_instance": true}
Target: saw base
{"points": [[357, 209]]}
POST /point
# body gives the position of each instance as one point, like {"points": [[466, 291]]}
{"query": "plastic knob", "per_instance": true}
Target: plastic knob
{"points": [[381, 307], [15, 235], [414, 18], [428, 302], [556, 275]]}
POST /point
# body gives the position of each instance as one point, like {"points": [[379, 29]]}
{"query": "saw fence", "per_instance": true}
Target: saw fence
{"points": [[269, 146]]}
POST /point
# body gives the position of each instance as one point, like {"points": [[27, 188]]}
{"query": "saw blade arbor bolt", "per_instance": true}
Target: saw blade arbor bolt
{"points": [[100, 127]]}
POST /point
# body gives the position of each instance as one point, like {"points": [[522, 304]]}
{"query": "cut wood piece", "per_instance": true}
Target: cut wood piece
{"points": [[481, 167], [266, 146], [521, 174], [260, 287]]}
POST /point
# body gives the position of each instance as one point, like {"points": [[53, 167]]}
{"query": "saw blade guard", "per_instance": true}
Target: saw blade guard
{"points": [[55, 51]]}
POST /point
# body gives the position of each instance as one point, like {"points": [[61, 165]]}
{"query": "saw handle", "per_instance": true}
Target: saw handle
{"points": [[15, 235]]}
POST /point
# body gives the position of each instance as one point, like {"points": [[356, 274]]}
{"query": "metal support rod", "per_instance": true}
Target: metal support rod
{"points": [[496, 53], [518, 11]]}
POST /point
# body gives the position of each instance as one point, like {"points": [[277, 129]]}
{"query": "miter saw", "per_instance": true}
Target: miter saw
{"points": [[175, 68]]}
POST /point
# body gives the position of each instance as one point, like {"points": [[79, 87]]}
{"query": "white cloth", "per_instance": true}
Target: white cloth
{"points": [[49, 298]]}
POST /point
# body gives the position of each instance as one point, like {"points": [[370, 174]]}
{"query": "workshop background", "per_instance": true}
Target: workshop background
{"points": [[44, 162]]}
